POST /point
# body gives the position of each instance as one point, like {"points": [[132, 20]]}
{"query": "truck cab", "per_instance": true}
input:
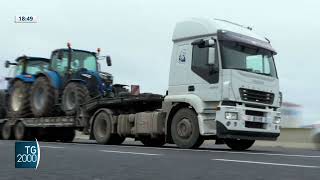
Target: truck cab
{"points": [[227, 75]]}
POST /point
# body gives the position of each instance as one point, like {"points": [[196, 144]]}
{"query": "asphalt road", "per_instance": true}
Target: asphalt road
{"points": [[86, 160]]}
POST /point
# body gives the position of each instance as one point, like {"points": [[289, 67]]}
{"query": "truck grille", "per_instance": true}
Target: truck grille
{"points": [[256, 96]]}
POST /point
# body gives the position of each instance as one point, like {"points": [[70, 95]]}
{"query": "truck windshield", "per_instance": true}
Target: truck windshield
{"points": [[80, 60], [247, 58]]}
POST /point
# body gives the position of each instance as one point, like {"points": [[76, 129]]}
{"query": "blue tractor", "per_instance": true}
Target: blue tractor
{"points": [[19, 87], [73, 78]]}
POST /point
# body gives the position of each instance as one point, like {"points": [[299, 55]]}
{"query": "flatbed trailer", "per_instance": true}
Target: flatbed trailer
{"points": [[50, 126]]}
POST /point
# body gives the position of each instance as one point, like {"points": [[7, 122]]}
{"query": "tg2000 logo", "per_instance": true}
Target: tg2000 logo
{"points": [[27, 154]]}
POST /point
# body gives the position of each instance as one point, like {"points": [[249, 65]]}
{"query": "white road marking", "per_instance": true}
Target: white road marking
{"points": [[126, 152], [266, 163], [205, 150], [219, 151], [53, 147]]}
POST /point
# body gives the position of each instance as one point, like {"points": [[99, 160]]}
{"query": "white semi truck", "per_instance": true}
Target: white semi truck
{"points": [[223, 85]]}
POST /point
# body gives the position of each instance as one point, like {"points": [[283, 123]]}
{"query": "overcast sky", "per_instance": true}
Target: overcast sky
{"points": [[137, 35]]}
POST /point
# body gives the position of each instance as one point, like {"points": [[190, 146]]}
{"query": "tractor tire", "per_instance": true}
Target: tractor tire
{"points": [[21, 132], [6, 131], [73, 96], [185, 129], [42, 98], [239, 144], [153, 142], [19, 100]]}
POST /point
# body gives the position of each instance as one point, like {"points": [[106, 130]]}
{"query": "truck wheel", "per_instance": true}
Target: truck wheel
{"points": [[102, 128], [42, 98], [19, 100], [67, 135], [6, 132], [3, 107], [21, 132], [153, 142], [73, 96], [239, 144], [185, 129]]}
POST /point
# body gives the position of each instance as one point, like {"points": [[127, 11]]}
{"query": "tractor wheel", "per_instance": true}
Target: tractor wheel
{"points": [[73, 96], [19, 100], [42, 98]]}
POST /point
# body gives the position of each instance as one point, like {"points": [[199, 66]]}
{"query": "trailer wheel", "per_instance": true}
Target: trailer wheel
{"points": [[102, 128], [42, 98], [21, 132], [185, 129], [67, 135], [153, 142], [19, 100], [73, 96], [6, 132], [239, 144]]}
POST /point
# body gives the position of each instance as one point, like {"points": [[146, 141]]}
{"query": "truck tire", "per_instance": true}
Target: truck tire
{"points": [[42, 98], [19, 100], [21, 132], [185, 129], [6, 132], [67, 135], [73, 96], [102, 127], [239, 144], [153, 142]]}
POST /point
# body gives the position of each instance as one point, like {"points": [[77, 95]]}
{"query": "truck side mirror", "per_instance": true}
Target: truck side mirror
{"points": [[7, 64], [211, 56], [108, 59]]}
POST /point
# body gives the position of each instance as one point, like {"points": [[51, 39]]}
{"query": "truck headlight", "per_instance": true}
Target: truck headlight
{"points": [[277, 120], [231, 115]]}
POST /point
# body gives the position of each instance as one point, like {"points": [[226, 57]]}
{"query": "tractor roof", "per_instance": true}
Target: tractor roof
{"points": [[29, 58], [66, 49]]}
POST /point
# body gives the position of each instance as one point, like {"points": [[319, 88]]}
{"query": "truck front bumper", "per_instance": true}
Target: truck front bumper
{"points": [[248, 123]]}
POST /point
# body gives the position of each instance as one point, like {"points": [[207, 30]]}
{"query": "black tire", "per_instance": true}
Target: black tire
{"points": [[73, 96], [19, 100], [239, 144], [153, 142], [67, 135], [21, 132], [102, 127], [116, 139], [185, 129], [42, 98], [6, 132]]}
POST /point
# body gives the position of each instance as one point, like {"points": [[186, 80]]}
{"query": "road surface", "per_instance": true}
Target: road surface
{"points": [[84, 159]]}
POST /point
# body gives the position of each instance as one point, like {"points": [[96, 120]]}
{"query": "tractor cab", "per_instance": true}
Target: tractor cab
{"points": [[73, 65], [26, 66]]}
